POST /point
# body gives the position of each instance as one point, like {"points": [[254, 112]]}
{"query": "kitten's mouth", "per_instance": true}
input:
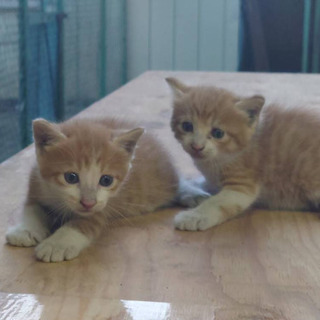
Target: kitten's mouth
{"points": [[197, 155], [85, 212]]}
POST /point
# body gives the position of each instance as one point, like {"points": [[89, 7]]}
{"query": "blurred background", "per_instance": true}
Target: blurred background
{"points": [[59, 56]]}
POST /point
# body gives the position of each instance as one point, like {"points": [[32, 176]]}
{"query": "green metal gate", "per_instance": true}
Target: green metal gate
{"points": [[56, 58]]}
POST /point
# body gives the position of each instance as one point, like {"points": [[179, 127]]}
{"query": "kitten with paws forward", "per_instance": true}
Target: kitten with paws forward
{"points": [[264, 156], [87, 171]]}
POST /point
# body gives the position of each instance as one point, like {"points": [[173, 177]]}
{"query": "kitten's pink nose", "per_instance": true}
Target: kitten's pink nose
{"points": [[197, 147], [88, 204]]}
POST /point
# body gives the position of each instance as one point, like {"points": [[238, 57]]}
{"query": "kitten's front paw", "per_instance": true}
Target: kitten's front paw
{"points": [[20, 237], [193, 220], [56, 251]]}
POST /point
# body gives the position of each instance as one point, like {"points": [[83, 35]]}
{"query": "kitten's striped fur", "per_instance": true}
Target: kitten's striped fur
{"points": [[267, 157], [54, 218]]}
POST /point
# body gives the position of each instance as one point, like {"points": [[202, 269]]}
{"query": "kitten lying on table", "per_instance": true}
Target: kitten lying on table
{"points": [[87, 171], [269, 158]]}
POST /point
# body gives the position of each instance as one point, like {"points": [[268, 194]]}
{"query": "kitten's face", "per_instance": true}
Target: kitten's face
{"points": [[82, 164], [210, 122], [84, 188]]}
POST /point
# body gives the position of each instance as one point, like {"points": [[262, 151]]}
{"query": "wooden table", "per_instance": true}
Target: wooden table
{"points": [[263, 265]]}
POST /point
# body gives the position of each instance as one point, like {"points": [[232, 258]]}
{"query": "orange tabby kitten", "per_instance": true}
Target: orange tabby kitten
{"points": [[86, 171], [269, 158]]}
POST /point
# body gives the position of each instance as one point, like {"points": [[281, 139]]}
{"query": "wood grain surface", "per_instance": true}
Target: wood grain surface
{"points": [[263, 265]]}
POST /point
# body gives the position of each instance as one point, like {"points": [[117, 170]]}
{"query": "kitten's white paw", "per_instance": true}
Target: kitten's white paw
{"points": [[56, 251], [65, 244], [193, 220], [20, 237]]}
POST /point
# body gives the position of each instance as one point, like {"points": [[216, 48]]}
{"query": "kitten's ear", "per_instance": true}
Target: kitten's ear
{"points": [[128, 140], [46, 133], [177, 87], [252, 106]]}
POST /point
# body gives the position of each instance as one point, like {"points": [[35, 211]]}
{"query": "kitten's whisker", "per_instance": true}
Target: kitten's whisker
{"points": [[120, 214]]}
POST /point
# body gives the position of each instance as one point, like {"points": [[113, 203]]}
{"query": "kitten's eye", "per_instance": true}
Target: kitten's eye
{"points": [[187, 126], [106, 180], [71, 177], [217, 133]]}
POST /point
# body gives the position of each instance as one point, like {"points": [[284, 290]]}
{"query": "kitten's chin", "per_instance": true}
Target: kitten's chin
{"points": [[203, 157], [197, 155], [84, 213]]}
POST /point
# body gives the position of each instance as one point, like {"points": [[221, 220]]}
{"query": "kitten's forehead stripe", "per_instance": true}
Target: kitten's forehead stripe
{"points": [[87, 146]]}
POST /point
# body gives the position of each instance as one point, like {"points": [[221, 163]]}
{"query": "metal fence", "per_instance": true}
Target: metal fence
{"points": [[54, 61], [59, 56]]}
